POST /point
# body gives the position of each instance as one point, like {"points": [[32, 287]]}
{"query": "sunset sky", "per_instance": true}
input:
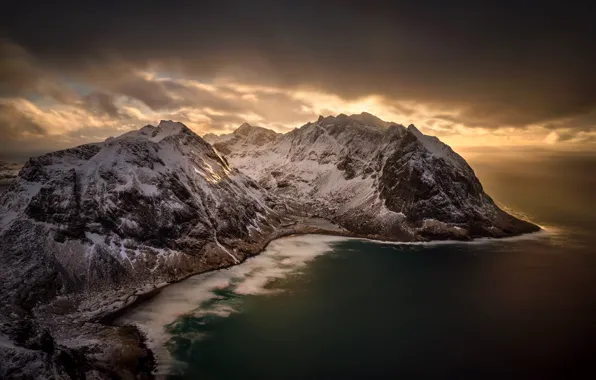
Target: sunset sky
{"points": [[484, 74]]}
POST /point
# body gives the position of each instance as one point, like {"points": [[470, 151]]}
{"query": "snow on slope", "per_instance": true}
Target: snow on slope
{"points": [[435, 147], [155, 204], [143, 207], [372, 177], [88, 230]]}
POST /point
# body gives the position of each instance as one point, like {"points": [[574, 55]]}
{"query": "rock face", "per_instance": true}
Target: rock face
{"points": [[371, 177], [88, 230], [139, 207], [29, 351]]}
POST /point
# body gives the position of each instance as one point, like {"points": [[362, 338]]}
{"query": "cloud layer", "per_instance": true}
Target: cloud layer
{"points": [[474, 74]]}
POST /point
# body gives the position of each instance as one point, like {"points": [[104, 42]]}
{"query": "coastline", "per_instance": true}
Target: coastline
{"points": [[109, 317], [114, 316], [77, 331]]}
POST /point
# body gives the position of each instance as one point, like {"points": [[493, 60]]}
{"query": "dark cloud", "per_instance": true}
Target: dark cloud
{"points": [[219, 122], [164, 94], [92, 134], [400, 109], [14, 125], [172, 94], [565, 136], [583, 123], [500, 63], [101, 103], [21, 75], [17, 73], [153, 94], [191, 95]]}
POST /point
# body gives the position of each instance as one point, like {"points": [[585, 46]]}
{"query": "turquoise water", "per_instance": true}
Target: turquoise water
{"points": [[368, 310], [322, 307]]}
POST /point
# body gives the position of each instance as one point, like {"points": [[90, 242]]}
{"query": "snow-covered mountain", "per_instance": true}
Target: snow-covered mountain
{"points": [[140, 207], [87, 230], [372, 177]]}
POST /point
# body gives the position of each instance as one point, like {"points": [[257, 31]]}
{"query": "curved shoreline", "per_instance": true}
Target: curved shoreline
{"points": [[155, 348], [109, 317]]}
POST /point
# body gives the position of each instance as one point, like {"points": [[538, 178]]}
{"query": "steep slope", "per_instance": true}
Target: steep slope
{"points": [[374, 178], [87, 230], [129, 206]]}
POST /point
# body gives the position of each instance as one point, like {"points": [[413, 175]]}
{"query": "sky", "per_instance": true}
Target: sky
{"points": [[503, 74]]}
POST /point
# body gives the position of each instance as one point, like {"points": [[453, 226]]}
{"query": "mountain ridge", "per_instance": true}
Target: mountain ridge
{"points": [[86, 231], [376, 166]]}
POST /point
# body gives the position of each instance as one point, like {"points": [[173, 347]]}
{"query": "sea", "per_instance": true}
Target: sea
{"points": [[325, 307]]}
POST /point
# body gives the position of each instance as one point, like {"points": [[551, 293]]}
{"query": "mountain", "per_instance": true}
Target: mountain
{"points": [[243, 138], [128, 206], [86, 231], [371, 177]]}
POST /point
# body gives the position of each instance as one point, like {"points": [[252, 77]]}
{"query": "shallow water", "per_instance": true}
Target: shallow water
{"points": [[328, 307]]}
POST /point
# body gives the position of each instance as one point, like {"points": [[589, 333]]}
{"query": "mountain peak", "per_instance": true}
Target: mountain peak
{"points": [[246, 129], [362, 118], [412, 128], [437, 148], [169, 123], [370, 119], [164, 129], [254, 134]]}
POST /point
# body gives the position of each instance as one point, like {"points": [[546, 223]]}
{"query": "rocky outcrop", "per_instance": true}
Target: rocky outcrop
{"points": [[29, 351]]}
